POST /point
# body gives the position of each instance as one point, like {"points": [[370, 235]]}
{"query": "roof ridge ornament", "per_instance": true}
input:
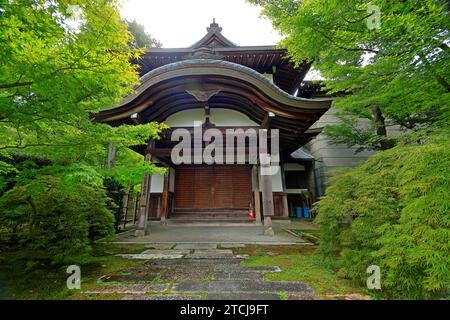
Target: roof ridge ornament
{"points": [[214, 38], [214, 27]]}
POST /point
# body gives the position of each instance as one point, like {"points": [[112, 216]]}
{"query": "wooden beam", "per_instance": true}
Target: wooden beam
{"points": [[267, 120]]}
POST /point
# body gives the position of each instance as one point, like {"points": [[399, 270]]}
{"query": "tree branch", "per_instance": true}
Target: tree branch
{"points": [[14, 85]]}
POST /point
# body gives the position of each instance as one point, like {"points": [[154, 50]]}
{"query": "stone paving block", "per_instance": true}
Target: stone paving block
{"points": [[162, 297], [242, 286], [237, 276], [194, 246], [238, 268], [300, 296], [211, 256], [193, 262], [141, 256], [232, 245], [213, 251], [161, 246], [134, 277], [129, 289], [242, 296], [166, 251], [186, 273]]}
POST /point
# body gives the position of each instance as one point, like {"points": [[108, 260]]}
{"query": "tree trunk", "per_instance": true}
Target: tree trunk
{"points": [[380, 126]]}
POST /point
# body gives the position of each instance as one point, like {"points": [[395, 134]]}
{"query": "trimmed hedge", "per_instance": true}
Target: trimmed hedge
{"points": [[393, 211]]}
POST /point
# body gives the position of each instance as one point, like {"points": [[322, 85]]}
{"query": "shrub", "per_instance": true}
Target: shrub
{"points": [[56, 216], [393, 211]]}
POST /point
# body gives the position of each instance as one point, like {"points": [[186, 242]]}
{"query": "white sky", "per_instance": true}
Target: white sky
{"points": [[181, 23]]}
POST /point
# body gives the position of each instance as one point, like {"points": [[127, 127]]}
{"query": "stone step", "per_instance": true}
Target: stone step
{"points": [[242, 296], [237, 276], [190, 262], [195, 246], [142, 256], [232, 245], [160, 246], [128, 289], [215, 256], [210, 213], [300, 296], [167, 251], [143, 277], [187, 273], [238, 268], [242, 286], [218, 251]]}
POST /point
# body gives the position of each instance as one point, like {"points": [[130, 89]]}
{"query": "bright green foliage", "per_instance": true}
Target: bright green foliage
{"points": [[57, 214], [141, 39], [401, 69], [393, 211], [61, 62]]}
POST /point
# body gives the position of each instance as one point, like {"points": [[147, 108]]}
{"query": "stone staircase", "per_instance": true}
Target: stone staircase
{"points": [[224, 215], [196, 272]]}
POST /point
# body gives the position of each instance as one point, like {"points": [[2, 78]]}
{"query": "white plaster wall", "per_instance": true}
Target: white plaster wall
{"points": [[230, 118], [157, 183], [277, 182], [219, 116], [186, 118]]}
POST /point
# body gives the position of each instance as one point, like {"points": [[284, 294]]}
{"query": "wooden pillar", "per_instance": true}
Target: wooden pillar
{"points": [[125, 199], [284, 199], [285, 206], [144, 202], [158, 209], [257, 206], [256, 195], [136, 206], [165, 198], [266, 183]]}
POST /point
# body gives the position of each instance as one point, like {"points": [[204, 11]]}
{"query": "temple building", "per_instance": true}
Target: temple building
{"points": [[216, 84]]}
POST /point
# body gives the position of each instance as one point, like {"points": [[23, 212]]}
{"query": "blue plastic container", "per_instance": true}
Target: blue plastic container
{"points": [[298, 212], [305, 213]]}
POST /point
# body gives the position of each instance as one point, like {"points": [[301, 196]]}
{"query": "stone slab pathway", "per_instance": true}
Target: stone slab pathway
{"points": [[196, 272]]}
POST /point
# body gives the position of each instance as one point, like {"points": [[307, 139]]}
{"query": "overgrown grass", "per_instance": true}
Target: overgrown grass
{"points": [[49, 283], [299, 263]]}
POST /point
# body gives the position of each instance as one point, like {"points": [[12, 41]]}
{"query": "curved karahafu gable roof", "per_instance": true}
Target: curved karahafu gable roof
{"points": [[189, 80]]}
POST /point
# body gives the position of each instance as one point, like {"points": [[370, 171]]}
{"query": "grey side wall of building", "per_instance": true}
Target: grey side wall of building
{"points": [[330, 157]]}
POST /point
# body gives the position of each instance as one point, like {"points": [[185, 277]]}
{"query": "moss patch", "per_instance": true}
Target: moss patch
{"points": [[307, 267], [47, 282]]}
